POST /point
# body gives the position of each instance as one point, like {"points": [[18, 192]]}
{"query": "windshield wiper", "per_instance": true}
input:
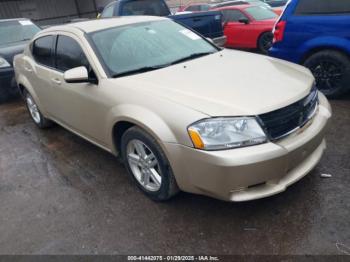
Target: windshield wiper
{"points": [[190, 57], [139, 70], [152, 68]]}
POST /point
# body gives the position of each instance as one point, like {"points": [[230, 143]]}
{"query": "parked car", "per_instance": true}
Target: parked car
{"points": [[14, 34], [248, 27], [259, 3], [275, 3], [246, 130], [316, 34], [195, 7], [206, 23]]}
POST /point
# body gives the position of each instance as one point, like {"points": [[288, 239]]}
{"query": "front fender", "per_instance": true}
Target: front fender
{"points": [[142, 117]]}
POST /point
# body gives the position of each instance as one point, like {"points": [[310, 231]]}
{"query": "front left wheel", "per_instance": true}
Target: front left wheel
{"points": [[147, 165]]}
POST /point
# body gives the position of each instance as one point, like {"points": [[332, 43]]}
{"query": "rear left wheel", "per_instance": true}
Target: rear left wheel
{"points": [[35, 113]]}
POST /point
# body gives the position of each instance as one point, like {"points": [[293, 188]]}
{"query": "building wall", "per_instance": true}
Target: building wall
{"points": [[47, 11], [50, 12]]}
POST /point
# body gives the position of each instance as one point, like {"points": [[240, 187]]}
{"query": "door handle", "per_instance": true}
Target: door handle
{"points": [[56, 81]]}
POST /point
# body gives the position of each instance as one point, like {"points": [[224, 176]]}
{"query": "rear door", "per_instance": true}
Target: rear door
{"points": [[39, 69]]}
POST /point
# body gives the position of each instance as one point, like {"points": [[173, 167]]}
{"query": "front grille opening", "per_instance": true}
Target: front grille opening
{"points": [[282, 122], [257, 185]]}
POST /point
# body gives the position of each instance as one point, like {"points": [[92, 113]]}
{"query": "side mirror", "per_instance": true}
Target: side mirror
{"points": [[77, 75], [244, 21]]}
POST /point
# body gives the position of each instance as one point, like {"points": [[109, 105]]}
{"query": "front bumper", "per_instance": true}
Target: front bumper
{"points": [[252, 172]]}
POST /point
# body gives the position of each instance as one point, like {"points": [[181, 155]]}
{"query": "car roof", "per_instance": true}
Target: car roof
{"points": [[228, 3], [13, 19], [198, 3], [104, 23], [240, 7]]}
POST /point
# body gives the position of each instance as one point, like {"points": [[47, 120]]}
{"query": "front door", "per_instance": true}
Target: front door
{"points": [[78, 106], [235, 31]]}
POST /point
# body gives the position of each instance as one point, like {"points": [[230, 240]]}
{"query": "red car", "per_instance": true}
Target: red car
{"points": [[248, 26]]}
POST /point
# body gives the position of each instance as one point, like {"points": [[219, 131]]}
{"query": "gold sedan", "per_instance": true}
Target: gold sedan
{"points": [[182, 113]]}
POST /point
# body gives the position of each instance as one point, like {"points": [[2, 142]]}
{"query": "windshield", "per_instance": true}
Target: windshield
{"points": [[260, 13], [147, 45], [17, 31]]}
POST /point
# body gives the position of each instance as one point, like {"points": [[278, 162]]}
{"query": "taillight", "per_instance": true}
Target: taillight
{"points": [[278, 32]]}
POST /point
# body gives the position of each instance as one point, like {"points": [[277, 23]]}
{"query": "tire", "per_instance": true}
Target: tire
{"points": [[331, 70], [265, 42], [159, 186], [34, 112]]}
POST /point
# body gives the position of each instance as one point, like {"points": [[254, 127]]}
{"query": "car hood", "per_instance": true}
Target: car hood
{"points": [[227, 83], [8, 52]]}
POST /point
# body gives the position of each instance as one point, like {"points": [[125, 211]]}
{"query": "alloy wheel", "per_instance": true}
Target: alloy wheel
{"points": [[144, 165], [33, 109], [328, 74]]}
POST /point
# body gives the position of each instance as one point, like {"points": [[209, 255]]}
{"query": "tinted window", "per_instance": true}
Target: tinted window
{"points": [[69, 54], [309, 7], [260, 13], [198, 8], [230, 4], [193, 8], [108, 12], [17, 31], [42, 50], [232, 15], [145, 7]]}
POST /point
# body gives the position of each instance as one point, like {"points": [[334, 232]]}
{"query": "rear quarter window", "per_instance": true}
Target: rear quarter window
{"points": [[322, 7]]}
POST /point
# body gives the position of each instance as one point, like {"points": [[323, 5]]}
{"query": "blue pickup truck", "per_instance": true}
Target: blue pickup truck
{"points": [[208, 24]]}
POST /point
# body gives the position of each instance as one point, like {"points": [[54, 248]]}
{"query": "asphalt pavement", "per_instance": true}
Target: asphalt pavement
{"points": [[62, 195]]}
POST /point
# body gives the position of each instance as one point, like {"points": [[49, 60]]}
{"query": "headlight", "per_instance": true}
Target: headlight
{"points": [[226, 133], [4, 63]]}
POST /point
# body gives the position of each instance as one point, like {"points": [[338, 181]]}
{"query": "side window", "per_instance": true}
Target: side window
{"points": [[193, 8], [108, 12], [42, 50], [315, 7], [205, 8], [69, 54], [232, 15]]}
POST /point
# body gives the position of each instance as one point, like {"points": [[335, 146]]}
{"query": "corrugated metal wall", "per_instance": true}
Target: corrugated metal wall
{"points": [[47, 11]]}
